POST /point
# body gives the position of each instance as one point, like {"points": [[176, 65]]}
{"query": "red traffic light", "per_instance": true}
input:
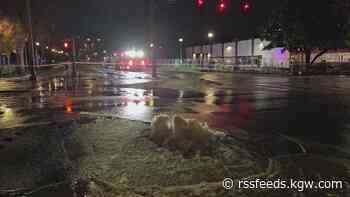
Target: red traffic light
{"points": [[222, 6], [246, 6], [66, 45], [200, 3]]}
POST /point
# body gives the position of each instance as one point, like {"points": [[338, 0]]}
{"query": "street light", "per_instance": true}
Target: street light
{"points": [[181, 40], [36, 53], [211, 36]]}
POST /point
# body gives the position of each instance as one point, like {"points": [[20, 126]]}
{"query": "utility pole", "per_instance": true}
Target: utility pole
{"points": [[152, 29], [31, 40], [74, 49], [181, 53], [181, 40], [74, 55]]}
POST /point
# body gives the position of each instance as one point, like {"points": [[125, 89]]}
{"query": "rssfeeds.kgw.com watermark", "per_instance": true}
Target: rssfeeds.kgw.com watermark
{"points": [[291, 184]]}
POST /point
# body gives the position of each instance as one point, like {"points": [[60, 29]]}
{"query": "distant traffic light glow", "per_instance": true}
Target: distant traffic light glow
{"points": [[246, 6], [222, 5], [200, 3]]}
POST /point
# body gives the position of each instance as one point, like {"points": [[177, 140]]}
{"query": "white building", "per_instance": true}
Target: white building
{"points": [[251, 53], [244, 52]]}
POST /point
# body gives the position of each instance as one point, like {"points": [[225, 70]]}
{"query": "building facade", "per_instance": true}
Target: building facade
{"points": [[252, 53]]}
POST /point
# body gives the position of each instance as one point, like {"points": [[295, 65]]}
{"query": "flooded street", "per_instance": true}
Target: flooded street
{"points": [[312, 108], [35, 117], [57, 95]]}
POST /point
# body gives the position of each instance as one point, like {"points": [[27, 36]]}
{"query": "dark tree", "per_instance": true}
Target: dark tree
{"points": [[12, 36], [309, 25]]}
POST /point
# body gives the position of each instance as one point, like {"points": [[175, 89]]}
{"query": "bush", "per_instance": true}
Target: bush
{"points": [[8, 71]]}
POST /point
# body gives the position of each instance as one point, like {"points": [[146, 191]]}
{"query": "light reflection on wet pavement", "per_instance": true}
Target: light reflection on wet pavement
{"points": [[314, 108], [309, 108], [58, 95]]}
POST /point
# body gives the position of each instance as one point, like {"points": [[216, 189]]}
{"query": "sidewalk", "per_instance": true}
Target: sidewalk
{"points": [[19, 78], [225, 69]]}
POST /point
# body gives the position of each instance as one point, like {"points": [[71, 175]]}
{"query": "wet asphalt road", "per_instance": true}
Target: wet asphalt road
{"points": [[314, 109], [58, 95], [310, 108]]}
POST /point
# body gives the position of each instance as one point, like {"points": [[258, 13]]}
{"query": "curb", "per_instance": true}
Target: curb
{"points": [[21, 78]]}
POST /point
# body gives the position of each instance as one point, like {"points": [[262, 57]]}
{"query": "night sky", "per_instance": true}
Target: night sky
{"points": [[124, 23]]}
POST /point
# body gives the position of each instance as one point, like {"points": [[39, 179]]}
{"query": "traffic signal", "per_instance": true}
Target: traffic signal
{"points": [[246, 6], [200, 3], [222, 6], [66, 45]]}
